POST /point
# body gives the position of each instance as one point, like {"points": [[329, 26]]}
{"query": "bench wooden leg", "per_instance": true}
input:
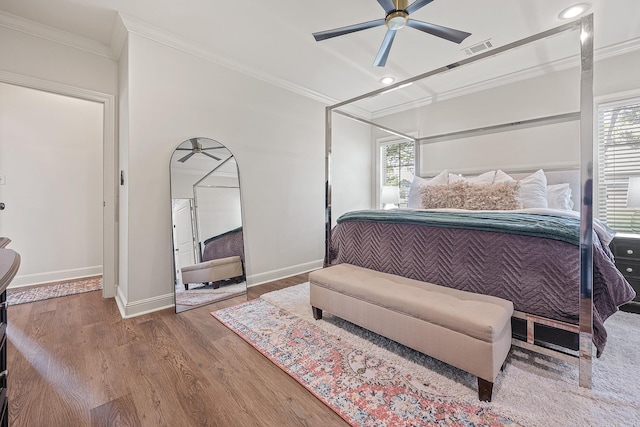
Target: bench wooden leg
{"points": [[485, 389], [317, 312]]}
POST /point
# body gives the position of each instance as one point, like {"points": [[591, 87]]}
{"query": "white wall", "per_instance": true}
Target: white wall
{"points": [[553, 93], [51, 158], [217, 198], [37, 57], [218, 211], [123, 176], [550, 94], [351, 165], [277, 138], [38, 62]]}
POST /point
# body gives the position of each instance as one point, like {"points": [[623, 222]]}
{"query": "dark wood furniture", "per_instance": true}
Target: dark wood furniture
{"points": [[9, 263], [626, 250], [4, 400]]}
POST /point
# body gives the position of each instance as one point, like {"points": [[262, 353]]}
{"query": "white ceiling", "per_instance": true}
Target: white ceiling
{"points": [[273, 40]]}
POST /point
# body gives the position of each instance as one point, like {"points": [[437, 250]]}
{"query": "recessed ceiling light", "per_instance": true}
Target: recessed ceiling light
{"points": [[573, 11], [387, 80]]}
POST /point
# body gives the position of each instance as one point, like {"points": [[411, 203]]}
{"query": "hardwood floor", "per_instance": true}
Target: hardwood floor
{"points": [[73, 361]]}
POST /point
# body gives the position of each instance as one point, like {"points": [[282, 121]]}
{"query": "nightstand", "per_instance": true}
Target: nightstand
{"points": [[626, 250]]}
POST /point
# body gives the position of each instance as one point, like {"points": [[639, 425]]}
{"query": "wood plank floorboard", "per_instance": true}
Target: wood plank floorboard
{"points": [[73, 361]]}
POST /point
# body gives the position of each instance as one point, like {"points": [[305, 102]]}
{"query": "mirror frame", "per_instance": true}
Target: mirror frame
{"points": [[218, 270]]}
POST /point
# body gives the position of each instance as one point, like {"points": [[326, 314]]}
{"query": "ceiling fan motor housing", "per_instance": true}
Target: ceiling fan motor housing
{"points": [[399, 17], [396, 19]]}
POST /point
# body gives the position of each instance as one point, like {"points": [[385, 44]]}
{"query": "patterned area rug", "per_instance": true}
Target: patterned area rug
{"points": [[362, 388], [371, 381], [23, 296]]}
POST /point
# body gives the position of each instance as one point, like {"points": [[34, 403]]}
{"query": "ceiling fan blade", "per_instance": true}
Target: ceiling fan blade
{"points": [[323, 35], [383, 53], [213, 148], [418, 4], [387, 5], [194, 143], [187, 157], [184, 149], [213, 157], [450, 34]]}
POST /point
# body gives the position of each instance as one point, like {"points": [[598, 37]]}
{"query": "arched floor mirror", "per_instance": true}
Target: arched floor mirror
{"points": [[206, 212]]}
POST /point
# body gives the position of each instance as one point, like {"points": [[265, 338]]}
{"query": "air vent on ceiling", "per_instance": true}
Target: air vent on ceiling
{"points": [[472, 50]]}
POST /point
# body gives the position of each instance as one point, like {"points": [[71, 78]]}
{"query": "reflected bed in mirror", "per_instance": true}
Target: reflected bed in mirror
{"points": [[208, 239]]}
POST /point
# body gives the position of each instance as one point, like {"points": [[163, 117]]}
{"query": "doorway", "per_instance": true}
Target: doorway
{"points": [[69, 200], [184, 237]]}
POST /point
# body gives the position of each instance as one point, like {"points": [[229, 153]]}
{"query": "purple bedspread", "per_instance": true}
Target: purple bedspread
{"points": [[540, 276]]}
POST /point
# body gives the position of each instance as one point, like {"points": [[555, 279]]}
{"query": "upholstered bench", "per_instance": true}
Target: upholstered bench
{"points": [[469, 331], [212, 271]]}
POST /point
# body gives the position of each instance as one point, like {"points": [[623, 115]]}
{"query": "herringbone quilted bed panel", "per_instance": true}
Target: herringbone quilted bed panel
{"points": [[229, 244], [540, 276]]}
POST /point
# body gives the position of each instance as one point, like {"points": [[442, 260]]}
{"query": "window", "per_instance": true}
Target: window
{"points": [[397, 164], [618, 160]]}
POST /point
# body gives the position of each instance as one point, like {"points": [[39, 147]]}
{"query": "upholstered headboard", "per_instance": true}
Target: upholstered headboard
{"points": [[554, 176]]}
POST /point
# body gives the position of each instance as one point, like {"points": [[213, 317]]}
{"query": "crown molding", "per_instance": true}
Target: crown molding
{"points": [[46, 32], [136, 26], [118, 37], [623, 48]]}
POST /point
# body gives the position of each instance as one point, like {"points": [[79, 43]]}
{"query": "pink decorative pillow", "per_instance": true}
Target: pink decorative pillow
{"points": [[448, 196], [463, 195], [500, 196], [415, 198]]}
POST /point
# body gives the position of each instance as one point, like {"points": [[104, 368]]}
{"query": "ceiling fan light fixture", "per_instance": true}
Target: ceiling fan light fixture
{"points": [[573, 11], [396, 20]]}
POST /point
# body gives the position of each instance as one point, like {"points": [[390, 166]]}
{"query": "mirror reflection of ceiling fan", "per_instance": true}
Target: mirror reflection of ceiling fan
{"points": [[196, 148], [397, 17]]}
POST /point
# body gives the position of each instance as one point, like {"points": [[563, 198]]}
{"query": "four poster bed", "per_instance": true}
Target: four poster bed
{"points": [[553, 264]]}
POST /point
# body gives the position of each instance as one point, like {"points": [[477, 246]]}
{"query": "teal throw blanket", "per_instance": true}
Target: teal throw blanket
{"points": [[554, 227]]}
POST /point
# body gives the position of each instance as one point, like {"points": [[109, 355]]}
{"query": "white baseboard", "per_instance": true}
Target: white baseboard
{"points": [[148, 305], [161, 302], [55, 276], [269, 276]]}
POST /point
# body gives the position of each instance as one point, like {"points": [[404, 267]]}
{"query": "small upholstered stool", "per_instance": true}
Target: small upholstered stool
{"points": [[212, 271]]}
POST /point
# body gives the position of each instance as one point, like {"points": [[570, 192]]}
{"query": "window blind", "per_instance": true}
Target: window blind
{"points": [[618, 160]]}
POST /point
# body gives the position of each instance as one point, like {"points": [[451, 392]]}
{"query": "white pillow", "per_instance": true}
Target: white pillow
{"points": [[482, 179], [533, 189], [414, 200], [502, 177], [559, 196]]}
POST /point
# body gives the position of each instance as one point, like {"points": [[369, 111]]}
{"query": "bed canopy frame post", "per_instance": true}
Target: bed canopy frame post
{"points": [[195, 204], [327, 184], [585, 115], [586, 201]]}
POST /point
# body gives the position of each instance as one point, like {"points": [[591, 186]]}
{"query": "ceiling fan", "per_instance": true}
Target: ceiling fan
{"points": [[197, 148], [397, 17]]}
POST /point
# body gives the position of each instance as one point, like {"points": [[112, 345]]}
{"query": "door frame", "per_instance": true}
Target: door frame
{"points": [[176, 244], [110, 164]]}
